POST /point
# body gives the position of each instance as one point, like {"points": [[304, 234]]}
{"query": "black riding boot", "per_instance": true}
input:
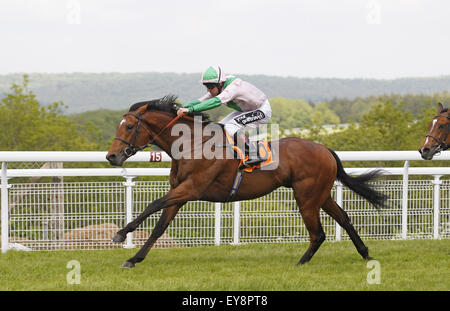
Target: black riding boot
{"points": [[251, 149]]}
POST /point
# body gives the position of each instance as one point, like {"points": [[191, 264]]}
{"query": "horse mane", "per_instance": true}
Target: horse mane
{"points": [[167, 104]]}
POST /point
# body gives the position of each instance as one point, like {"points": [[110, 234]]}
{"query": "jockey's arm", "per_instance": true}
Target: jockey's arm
{"points": [[190, 104], [204, 105]]}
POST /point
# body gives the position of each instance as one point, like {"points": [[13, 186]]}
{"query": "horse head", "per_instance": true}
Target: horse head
{"points": [[438, 134], [146, 124], [132, 135]]}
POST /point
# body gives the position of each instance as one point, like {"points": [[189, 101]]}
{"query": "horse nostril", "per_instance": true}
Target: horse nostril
{"points": [[110, 157], [424, 151]]}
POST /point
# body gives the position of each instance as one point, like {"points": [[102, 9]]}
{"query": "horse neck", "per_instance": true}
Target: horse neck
{"points": [[156, 123], [165, 140]]}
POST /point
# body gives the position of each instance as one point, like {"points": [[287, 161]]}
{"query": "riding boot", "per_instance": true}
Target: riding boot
{"points": [[254, 156], [251, 149]]}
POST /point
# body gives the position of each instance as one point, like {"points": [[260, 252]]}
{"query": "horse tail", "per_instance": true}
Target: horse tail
{"points": [[360, 184]]}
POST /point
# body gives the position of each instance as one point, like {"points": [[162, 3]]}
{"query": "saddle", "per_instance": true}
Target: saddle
{"points": [[264, 152]]}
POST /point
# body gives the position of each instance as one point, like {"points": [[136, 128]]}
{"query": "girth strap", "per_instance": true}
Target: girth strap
{"points": [[235, 187]]}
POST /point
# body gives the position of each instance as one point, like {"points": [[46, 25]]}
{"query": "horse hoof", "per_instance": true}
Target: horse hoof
{"points": [[127, 265], [118, 238]]}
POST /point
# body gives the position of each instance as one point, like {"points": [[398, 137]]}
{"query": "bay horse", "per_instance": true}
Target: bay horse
{"points": [[438, 134], [309, 168]]}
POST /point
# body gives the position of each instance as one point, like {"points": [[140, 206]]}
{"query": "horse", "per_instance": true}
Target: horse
{"points": [[438, 131], [309, 168]]}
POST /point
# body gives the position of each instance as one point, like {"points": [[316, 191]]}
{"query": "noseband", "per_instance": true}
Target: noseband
{"points": [[131, 149], [442, 145]]}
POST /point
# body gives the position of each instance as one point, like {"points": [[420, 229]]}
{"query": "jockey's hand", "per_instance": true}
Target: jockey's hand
{"points": [[182, 110]]}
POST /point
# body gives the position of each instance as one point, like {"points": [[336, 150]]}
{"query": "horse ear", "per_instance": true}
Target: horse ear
{"points": [[142, 109], [440, 108]]}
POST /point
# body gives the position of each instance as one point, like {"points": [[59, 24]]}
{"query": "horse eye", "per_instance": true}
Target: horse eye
{"points": [[129, 127], [441, 126]]}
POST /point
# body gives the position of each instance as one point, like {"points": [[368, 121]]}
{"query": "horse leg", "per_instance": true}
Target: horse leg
{"points": [[310, 212], [338, 214], [190, 189], [130, 227], [176, 196], [311, 219], [184, 192], [166, 217]]}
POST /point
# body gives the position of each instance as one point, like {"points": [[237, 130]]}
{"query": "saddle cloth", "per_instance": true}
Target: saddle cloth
{"points": [[263, 149]]}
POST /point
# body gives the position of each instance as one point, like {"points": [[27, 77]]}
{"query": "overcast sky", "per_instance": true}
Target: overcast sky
{"points": [[315, 38]]}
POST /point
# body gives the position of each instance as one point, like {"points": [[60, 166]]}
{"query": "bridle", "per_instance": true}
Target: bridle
{"points": [[442, 145], [132, 149]]}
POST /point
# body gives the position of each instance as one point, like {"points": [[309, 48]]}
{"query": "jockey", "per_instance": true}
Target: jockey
{"points": [[251, 106]]}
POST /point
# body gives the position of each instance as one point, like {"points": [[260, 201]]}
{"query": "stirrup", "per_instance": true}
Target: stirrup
{"points": [[251, 162]]}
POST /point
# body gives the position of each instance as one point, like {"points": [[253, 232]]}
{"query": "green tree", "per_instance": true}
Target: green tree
{"points": [[297, 113], [106, 120], [26, 125], [291, 113], [323, 115], [385, 126]]}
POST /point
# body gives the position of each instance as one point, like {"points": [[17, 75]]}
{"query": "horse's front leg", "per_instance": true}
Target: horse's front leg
{"points": [[189, 190], [166, 217], [152, 208], [171, 203]]}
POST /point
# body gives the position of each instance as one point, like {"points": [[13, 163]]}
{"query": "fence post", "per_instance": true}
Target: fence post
{"points": [[57, 206], [436, 205], [217, 219], [236, 222], [405, 201], [129, 208], [339, 200], [5, 212]]}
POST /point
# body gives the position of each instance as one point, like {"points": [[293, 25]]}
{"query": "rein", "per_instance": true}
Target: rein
{"points": [[442, 145], [132, 149]]}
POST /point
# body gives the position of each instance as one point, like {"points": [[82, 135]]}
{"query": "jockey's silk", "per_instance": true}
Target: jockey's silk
{"points": [[239, 95], [252, 108], [237, 120]]}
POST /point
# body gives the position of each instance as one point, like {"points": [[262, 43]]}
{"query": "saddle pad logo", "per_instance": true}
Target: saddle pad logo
{"points": [[250, 117]]}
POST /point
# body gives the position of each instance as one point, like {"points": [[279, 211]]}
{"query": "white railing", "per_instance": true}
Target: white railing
{"points": [[58, 216]]}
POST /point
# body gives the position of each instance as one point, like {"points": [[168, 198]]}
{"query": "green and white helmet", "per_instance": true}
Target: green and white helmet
{"points": [[213, 74]]}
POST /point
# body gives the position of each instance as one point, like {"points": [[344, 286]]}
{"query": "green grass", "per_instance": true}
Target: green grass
{"points": [[405, 265]]}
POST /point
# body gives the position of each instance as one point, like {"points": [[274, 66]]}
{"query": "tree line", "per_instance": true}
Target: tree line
{"points": [[28, 125]]}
